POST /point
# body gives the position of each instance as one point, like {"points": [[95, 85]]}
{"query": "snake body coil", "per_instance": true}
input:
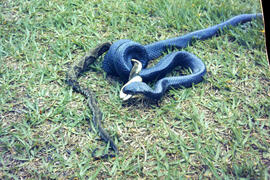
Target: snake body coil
{"points": [[118, 59]]}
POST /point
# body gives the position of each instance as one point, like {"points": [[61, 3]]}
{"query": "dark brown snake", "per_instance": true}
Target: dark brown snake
{"points": [[72, 79]]}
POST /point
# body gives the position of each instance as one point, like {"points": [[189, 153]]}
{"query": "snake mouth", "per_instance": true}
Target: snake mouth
{"points": [[125, 96]]}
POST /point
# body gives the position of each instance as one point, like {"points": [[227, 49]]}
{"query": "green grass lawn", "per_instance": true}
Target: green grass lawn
{"points": [[218, 129]]}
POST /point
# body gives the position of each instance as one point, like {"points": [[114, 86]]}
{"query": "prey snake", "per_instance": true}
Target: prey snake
{"points": [[72, 79]]}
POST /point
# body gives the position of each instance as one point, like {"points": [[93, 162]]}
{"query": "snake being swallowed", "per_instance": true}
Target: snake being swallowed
{"points": [[72, 79], [118, 61]]}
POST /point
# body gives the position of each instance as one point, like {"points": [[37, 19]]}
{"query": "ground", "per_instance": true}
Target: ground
{"points": [[217, 129]]}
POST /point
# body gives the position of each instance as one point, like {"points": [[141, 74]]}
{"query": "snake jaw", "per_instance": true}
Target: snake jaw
{"points": [[125, 96]]}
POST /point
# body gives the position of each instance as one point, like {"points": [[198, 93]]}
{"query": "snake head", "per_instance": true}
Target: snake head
{"points": [[125, 96]]}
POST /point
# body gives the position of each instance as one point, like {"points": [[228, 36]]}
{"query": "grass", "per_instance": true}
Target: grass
{"points": [[218, 129]]}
